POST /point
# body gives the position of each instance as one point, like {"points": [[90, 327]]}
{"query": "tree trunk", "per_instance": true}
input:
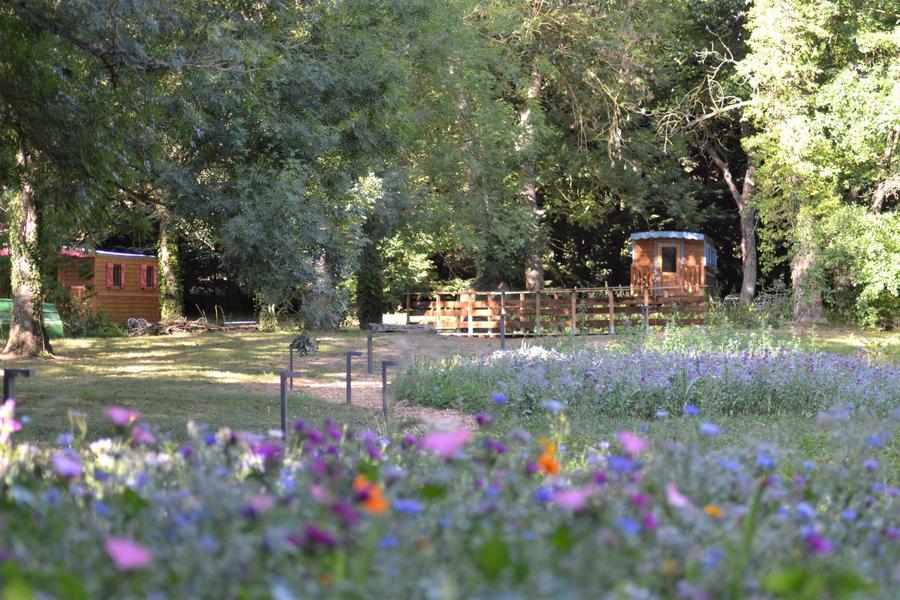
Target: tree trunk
{"points": [[891, 183], [807, 291], [747, 214], [370, 286], [27, 336], [171, 293], [537, 237]]}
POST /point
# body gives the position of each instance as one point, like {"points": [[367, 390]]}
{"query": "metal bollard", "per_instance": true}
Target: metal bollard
{"points": [[370, 368], [9, 379], [384, 403], [285, 375], [503, 331], [350, 355], [291, 364]]}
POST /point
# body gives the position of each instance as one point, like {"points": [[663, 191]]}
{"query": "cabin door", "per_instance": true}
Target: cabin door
{"points": [[668, 265]]}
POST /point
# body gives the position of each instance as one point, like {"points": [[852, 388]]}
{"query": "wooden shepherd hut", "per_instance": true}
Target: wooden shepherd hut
{"points": [[115, 285], [672, 263]]}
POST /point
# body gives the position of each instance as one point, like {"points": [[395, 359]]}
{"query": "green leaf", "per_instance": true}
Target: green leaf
{"points": [[562, 538], [17, 589], [433, 491], [133, 502], [785, 581], [492, 558]]}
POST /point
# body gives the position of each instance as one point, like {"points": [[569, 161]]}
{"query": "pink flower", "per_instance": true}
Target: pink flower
{"points": [[142, 435], [8, 425], [319, 493], [121, 417], [573, 500], [66, 466], [127, 554], [677, 499], [261, 503], [446, 444], [631, 443]]}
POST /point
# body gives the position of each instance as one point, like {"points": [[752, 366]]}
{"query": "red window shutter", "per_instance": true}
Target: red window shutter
{"points": [[155, 282], [142, 271], [109, 275], [123, 276]]}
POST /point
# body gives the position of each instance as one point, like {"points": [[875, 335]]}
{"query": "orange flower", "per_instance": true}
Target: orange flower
{"points": [[547, 462], [714, 510], [370, 495], [669, 567]]}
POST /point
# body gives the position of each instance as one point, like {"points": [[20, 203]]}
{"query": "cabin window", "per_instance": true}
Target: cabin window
{"points": [[118, 276], [669, 259], [148, 276]]}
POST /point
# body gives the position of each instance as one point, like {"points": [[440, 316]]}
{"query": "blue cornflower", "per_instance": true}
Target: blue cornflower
{"points": [[544, 494], [628, 525], [101, 508], [65, 439], [662, 414], [691, 410], [209, 439], [809, 465], [554, 406], [730, 465], [410, 507], [848, 514], [622, 464], [710, 429], [876, 441], [764, 461], [805, 510], [387, 542], [500, 398], [713, 557]]}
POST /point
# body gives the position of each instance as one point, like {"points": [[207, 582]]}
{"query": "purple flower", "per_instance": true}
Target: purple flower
{"points": [[410, 440], [631, 443], [484, 419], [498, 447], [345, 512], [690, 410], [500, 398], [544, 494], [314, 436], [319, 537], [268, 451], [373, 451], [622, 464], [871, 464], [299, 426], [818, 544], [8, 425], [67, 466], [628, 525], [333, 430], [600, 477], [649, 521], [121, 417], [187, 451]]}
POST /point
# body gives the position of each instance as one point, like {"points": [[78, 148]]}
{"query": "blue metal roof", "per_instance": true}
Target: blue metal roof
{"points": [[678, 235]]}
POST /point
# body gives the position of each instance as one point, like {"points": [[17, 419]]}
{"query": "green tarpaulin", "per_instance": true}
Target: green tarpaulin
{"points": [[52, 321]]}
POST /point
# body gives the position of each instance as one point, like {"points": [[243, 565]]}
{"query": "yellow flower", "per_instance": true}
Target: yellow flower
{"points": [[714, 510], [669, 567]]}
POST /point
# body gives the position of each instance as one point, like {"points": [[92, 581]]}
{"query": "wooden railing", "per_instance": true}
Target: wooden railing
{"points": [[556, 311]]}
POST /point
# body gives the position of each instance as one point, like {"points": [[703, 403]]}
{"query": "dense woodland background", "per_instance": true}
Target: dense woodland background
{"points": [[323, 158]]}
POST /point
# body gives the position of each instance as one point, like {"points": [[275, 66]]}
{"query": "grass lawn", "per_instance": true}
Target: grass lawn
{"points": [[231, 380]]}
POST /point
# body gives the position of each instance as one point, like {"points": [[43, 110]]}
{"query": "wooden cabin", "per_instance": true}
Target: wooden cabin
{"points": [[115, 285], [672, 263]]}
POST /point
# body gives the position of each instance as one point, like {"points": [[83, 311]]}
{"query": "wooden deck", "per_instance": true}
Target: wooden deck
{"points": [[556, 311]]}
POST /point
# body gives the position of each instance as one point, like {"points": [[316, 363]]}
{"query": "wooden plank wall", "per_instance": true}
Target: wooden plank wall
{"points": [[563, 311], [119, 304]]}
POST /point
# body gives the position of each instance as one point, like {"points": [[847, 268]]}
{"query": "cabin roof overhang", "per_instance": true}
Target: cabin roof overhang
{"points": [[678, 235], [82, 253]]}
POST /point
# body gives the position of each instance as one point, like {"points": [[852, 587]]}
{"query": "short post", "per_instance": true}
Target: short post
{"points": [[350, 355], [370, 369], [612, 312], [469, 312], [291, 363], [285, 375], [384, 403], [9, 379], [646, 310], [574, 295], [503, 329], [407, 308], [537, 312]]}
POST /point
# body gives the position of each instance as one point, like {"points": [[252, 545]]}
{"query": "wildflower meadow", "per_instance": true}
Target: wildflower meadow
{"points": [[476, 512]]}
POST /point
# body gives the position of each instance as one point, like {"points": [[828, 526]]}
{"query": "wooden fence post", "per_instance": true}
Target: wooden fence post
{"points": [[469, 311], [503, 309], [537, 312], [437, 310], [407, 308], [646, 310], [612, 312], [574, 295], [522, 312]]}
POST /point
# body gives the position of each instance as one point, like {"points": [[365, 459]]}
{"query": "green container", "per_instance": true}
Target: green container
{"points": [[52, 321]]}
